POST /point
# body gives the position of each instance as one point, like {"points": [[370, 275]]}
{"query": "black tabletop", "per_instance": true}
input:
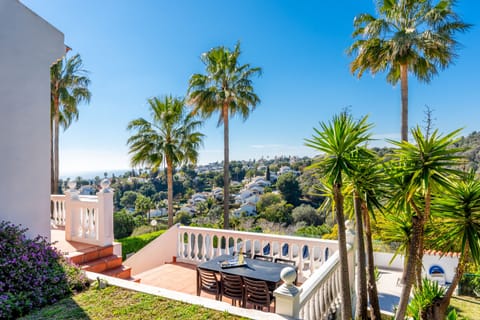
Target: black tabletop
{"points": [[255, 269]]}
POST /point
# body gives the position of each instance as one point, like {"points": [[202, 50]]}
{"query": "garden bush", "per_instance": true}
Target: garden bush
{"points": [[32, 273], [134, 243]]}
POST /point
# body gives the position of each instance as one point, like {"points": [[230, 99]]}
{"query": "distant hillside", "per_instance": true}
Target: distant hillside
{"points": [[472, 154]]}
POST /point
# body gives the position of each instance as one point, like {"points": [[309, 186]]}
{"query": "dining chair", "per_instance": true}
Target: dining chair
{"points": [[258, 294], [261, 257], [285, 261], [207, 281], [232, 287]]}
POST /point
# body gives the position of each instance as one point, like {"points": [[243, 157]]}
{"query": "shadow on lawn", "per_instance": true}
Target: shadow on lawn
{"points": [[65, 309]]}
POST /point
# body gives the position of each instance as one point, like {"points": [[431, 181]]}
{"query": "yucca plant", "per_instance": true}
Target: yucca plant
{"points": [[424, 297]]}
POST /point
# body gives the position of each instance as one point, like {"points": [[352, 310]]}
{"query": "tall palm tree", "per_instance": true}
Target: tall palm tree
{"points": [[428, 165], [340, 140], [171, 137], [458, 213], [68, 88], [227, 88], [408, 36]]}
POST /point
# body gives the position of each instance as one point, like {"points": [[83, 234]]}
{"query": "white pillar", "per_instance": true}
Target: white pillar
{"points": [[105, 214], [288, 295], [70, 196]]}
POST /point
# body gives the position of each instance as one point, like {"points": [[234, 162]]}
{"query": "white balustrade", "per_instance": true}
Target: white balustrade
{"points": [[87, 219], [57, 216], [195, 245]]}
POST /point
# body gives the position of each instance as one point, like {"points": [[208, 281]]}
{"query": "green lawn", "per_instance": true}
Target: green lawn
{"points": [[467, 307], [116, 303]]}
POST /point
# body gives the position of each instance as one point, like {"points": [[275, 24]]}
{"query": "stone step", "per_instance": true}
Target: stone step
{"points": [[122, 272], [90, 254], [102, 264]]}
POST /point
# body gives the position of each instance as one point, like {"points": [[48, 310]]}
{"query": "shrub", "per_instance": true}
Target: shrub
{"points": [[423, 300], [307, 214], [123, 224], [183, 218], [32, 273], [134, 243]]}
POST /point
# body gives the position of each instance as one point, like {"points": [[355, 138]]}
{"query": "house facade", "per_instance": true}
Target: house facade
{"points": [[28, 47]]}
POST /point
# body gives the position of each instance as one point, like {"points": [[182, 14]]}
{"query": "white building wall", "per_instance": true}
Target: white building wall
{"points": [[448, 263], [28, 47]]}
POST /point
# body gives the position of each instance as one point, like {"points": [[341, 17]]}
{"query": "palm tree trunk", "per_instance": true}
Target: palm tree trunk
{"points": [[170, 192], [410, 269], [362, 300], [372, 285], [424, 219], [226, 173], [52, 159], [56, 161], [440, 307], [404, 93], [342, 244]]}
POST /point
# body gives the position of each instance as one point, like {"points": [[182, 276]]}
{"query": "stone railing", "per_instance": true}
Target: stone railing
{"points": [[86, 219], [319, 296], [317, 263], [57, 216], [196, 245]]}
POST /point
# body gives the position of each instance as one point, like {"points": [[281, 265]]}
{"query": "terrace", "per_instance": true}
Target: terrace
{"points": [[83, 229]]}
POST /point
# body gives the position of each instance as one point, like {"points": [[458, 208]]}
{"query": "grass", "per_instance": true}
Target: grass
{"points": [[135, 243], [467, 307], [116, 303]]}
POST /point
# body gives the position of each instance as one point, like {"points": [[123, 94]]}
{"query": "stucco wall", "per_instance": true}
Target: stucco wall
{"points": [[447, 263], [28, 47]]}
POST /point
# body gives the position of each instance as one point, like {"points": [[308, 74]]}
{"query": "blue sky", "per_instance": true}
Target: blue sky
{"points": [[138, 49]]}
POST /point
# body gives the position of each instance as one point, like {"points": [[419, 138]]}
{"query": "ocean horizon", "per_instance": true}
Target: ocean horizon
{"points": [[92, 174]]}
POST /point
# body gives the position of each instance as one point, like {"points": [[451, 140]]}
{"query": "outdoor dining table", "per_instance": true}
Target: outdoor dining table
{"points": [[253, 269]]}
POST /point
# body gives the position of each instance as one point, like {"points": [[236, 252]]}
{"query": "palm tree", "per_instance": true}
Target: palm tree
{"points": [[428, 166], [68, 88], [368, 186], [340, 141], [171, 137], [407, 37], [227, 88], [458, 213]]}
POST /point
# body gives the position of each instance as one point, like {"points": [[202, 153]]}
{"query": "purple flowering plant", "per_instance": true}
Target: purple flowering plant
{"points": [[32, 273]]}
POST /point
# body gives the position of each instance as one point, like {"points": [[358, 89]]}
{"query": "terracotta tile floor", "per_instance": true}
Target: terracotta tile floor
{"points": [[67, 247], [181, 277]]}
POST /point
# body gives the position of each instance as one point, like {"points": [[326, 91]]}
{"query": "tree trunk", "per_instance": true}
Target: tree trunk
{"points": [[226, 172], [410, 270], [56, 157], [421, 240], [361, 278], [342, 248], [170, 192], [52, 162], [371, 285], [404, 93], [440, 307]]}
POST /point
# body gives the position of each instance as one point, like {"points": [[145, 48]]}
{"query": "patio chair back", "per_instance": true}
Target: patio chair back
{"points": [[232, 287], [258, 294], [264, 258], [207, 281], [285, 261]]}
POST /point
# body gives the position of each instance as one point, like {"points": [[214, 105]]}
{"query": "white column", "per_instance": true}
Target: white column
{"points": [[70, 196], [288, 295], [105, 214]]}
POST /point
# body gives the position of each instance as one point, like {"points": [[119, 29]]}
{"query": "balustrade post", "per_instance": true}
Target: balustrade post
{"points": [[288, 295], [70, 196], [105, 213], [350, 234]]}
